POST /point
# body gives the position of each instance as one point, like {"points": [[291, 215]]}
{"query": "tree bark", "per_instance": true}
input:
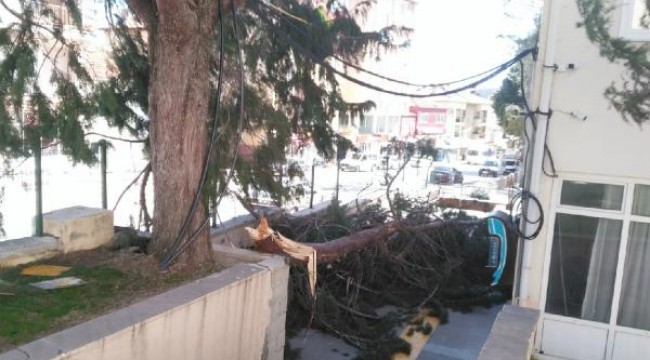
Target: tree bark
{"points": [[179, 92], [270, 241]]}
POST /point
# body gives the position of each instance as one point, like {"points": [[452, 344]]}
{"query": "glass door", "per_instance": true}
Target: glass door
{"points": [[631, 338], [581, 285]]}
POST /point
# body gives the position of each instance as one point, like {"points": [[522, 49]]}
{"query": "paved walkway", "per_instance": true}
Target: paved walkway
{"points": [[462, 337]]}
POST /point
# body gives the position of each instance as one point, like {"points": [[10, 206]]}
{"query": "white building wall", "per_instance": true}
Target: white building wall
{"points": [[603, 144]]}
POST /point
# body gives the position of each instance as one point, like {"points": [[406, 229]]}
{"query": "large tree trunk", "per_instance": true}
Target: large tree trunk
{"points": [[178, 109]]}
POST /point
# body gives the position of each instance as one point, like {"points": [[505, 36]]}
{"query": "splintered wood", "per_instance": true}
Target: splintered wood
{"points": [[270, 241]]}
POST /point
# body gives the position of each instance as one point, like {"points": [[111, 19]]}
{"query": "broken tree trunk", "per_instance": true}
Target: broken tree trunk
{"points": [[270, 241]]}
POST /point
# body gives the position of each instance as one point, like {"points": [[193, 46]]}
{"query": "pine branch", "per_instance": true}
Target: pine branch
{"points": [[55, 34]]}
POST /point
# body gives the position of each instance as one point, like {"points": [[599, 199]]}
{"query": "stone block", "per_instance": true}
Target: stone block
{"points": [[22, 251], [79, 227]]}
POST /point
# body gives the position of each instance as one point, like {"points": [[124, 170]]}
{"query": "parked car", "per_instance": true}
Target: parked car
{"points": [[445, 175], [490, 167], [509, 165], [361, 162]]}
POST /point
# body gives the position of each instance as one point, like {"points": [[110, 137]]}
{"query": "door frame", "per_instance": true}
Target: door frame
{"points": [[624, 215]]}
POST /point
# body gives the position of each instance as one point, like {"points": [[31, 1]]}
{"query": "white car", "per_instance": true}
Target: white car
{"points": [[490, 167]]}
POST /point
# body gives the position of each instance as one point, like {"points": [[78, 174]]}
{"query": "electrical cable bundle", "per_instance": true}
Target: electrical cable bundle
{"points": [[268, 18]]}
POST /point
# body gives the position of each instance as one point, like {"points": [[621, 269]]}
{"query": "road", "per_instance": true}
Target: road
{"points": [[81, 185]]}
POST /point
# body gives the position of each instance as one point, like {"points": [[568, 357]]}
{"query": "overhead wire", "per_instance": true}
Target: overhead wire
{"points": [[397, 81], [481, 77], [361, 69]]}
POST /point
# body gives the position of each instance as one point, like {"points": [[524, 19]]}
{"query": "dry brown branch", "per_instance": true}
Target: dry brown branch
{"points": [[143, 198]]}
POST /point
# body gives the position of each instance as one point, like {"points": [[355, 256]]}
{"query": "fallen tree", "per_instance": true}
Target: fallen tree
{"points": [[403, 259]]}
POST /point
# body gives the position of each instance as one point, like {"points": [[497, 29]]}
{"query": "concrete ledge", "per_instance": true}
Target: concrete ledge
{"points": [[233, 314], [512, 335], [79, 227], [25, 250]]}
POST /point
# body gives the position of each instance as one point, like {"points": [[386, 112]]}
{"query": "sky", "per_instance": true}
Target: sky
{"points": [[455, 39]]}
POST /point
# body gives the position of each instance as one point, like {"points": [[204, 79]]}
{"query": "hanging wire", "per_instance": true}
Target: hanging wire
{"points": [[397, 81], [290, 16], [530, 114], [296, 46], [515, 206]]}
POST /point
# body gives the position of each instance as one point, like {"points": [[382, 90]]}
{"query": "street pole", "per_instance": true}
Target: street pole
{"points": [[38, 184], [102, 147], [311, 197], [338, 170]]}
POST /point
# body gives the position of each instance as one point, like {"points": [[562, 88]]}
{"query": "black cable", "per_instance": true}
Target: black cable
{"points": [[361, 69], [547, 152], [531, 114], [294, 44], [517, 202]]}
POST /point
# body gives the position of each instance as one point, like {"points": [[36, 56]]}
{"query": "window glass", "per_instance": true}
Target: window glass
{"points": [[634, 308], [639, 19], [592, 195], [583, 267], [635, 21], [641, 203]]}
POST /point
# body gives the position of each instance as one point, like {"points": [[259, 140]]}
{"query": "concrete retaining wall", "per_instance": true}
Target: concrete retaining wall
{"points": [[512, 335], [238, 313]]}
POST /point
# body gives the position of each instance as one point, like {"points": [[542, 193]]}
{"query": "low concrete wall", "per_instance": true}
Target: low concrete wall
{"points": [[512, 335], [238, 313], [25, 250], [79, 227]]}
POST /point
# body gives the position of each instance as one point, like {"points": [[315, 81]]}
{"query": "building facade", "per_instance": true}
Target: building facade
{"points": [[588, 270]]}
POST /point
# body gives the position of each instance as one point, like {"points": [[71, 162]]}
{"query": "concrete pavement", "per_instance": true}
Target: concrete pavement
{"points": [[462, 337]]}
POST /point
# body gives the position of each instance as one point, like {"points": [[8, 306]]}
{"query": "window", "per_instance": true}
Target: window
{"points": [[641, 204], [635, 21], [367, 124], [381, 124], [593, 225], [592, 195], [344, 119], [460, 115], [634, 308], [583, 265]]}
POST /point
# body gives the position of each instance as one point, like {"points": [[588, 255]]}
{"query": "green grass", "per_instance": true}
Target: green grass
{"points": [[29, 310], [27, 313]]}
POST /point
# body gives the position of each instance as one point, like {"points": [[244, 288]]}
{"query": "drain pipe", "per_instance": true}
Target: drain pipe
{"points": [[539, 141]]}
